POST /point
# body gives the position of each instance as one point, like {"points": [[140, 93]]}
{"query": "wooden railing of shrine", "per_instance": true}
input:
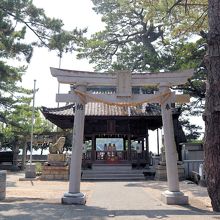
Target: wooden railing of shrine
{"points": [[111, 155], [115, 156]]}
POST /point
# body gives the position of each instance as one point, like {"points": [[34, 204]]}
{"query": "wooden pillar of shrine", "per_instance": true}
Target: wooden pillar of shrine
{"points": [[125, 157], [129, 147], [142, 144], [124, 144], [147, 148], [93, 153]]}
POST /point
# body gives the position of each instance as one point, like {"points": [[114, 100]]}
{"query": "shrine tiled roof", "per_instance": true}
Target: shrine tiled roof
{"points": [[102, 109]]}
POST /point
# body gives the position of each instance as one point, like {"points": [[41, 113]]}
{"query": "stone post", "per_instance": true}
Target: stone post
{"points": [[74, 196], [2, 184], [30, 170], [173, 194]]}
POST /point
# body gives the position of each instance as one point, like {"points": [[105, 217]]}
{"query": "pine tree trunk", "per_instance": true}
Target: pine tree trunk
{"points": [[212, 111]]}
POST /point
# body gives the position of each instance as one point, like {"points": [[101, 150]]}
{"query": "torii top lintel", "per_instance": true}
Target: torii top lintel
{"points": [[110, 78]]}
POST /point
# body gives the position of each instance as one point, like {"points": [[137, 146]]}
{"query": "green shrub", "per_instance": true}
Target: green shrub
{"points": [[38, 168]]}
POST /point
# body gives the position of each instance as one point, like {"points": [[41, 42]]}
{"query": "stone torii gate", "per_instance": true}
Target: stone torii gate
{"points": [[123, 81]]}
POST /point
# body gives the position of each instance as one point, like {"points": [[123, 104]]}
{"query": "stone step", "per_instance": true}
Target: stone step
{"points": [[113, 178], [113, 175], [112, 167], [113, 171], [139, 178]]}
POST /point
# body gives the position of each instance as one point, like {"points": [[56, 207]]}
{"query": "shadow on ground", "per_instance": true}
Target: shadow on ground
{"points": [[23, 208], [162, 186]]}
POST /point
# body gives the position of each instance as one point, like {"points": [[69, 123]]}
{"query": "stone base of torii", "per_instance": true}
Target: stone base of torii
{"points": [[123, 83]]}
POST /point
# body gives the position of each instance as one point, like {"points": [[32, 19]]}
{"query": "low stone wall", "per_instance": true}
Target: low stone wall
{"points": [[191, 166], [55, 173], [161, 173], [192, 151], [34, 157], [2, 184]]}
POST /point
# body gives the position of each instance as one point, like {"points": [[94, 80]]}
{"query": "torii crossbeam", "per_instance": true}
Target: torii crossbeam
{"points": [[123, 81]]}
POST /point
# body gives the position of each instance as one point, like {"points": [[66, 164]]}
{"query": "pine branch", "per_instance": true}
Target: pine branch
{"points": [[26, 23]]}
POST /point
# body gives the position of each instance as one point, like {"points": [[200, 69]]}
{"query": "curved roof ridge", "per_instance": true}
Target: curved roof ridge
{"points": [[66, 107]]}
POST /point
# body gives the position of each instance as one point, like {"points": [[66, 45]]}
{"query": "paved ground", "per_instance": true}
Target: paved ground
{"points": [[30, 200]]}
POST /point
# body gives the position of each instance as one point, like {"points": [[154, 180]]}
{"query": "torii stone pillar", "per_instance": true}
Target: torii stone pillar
{"points": [[74, 196], [172, 195]]}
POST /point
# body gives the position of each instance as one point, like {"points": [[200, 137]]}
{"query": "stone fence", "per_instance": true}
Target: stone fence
{"points": [[191, 166]]}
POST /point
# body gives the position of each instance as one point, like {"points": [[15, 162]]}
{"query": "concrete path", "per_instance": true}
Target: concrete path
{"points": [[30, 200]]}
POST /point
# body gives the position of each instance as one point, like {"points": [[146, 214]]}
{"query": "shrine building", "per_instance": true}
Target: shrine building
{"points": [[125, 125]]}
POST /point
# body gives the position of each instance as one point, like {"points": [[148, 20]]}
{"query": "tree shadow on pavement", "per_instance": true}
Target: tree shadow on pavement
{"points": [[31, 210]]}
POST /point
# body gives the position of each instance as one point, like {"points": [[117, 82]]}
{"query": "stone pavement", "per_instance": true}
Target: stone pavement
{"points": [[30, 200]]}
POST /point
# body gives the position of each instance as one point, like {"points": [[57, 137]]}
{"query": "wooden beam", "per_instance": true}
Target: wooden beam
{"points": [[110, 79]]}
